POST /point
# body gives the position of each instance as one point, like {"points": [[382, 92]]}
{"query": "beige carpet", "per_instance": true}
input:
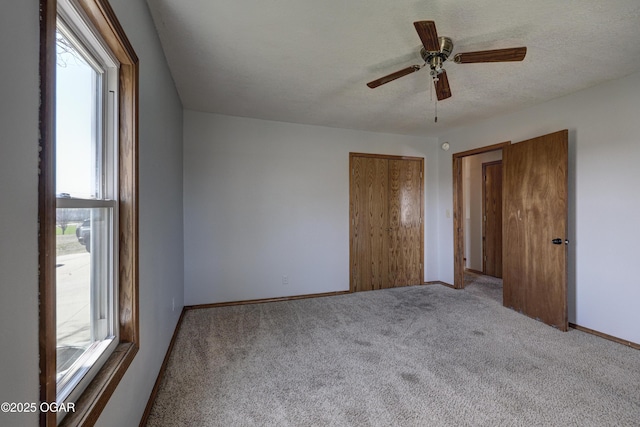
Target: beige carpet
{"points": [[415, 356], [483, 286]]}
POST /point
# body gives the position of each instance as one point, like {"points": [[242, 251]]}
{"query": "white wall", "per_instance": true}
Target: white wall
{"points": [[604, 197], [19, 44], [266, 199], [472, 206], [161, 244]]}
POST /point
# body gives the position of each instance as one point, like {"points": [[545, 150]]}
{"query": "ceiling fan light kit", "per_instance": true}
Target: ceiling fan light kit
{"points": [[436, 50]]}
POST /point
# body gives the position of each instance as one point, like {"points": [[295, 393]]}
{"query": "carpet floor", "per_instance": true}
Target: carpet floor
{"points": [[483, 286], [414, 356]]}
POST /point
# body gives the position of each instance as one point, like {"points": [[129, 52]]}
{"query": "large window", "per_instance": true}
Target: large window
{"points": [[86, 201], [87, 208]]}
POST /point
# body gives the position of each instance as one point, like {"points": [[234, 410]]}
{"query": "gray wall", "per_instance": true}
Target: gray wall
{"points": [[265, 199], [19, 45], [161, 225]]}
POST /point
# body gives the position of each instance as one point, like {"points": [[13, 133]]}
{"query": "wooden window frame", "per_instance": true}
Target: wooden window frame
{"points": [[95, 397]]}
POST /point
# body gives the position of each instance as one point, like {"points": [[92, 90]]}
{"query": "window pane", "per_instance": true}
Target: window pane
{"points": [[83, 286], [78, 91]]}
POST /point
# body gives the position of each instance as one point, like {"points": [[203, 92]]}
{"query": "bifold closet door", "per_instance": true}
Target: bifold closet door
{"points": [[405, 222], [370, 237], [386, 222]]}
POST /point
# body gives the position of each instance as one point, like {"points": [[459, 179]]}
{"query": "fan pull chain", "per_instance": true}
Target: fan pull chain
{"points": [[435, 80], [430, 92], [436, 107], [435, 119]]}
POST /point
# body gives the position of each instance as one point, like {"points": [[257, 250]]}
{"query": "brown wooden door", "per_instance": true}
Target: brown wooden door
{"points": [[405, 222], [369, 211], [534, 214], [492, 218], [386, 244]]}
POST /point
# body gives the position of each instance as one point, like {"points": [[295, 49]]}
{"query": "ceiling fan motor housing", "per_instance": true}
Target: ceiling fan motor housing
{"points": [[435, 59], [446, 47]]}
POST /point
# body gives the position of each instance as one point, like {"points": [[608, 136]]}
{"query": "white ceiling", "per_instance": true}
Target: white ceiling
{"points": [[308, 61]]}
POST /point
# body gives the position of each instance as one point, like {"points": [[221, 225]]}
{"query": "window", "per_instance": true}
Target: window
{"points": [[87, 208], [86, 200]]}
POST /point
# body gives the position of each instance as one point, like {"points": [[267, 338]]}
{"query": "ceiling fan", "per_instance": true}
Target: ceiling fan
{"points": [[436, 51]]}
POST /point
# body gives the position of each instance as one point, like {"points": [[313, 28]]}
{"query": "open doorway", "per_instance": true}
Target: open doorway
{"points": [[470, 207], [534, 210], [482, 207], [482, 210]]}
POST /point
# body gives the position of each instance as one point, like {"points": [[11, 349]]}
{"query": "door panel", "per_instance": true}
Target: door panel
{"points": [[405, 224], [369, 207], [386, 234], [535, 213], [492, 213]]}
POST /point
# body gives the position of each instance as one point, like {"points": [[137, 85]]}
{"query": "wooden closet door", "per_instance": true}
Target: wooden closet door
{"points": [[370, 237], [405, 222], [386, 234]]}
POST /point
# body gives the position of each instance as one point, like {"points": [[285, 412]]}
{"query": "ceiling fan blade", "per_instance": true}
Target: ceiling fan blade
{"points": [[443, 91], [391, 77], [428, 35], [495, 55]]}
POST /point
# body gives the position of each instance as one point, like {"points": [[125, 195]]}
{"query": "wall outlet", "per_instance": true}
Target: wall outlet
{"points": [[285, 280]]}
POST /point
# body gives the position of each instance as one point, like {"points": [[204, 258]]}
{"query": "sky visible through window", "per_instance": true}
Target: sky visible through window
{"points": [[75, 109]]}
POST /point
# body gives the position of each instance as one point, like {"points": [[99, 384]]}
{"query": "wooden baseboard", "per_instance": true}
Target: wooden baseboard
{"points": [[163, 368], [265, 300], [471, 270], [605, 336], [438, 282]]}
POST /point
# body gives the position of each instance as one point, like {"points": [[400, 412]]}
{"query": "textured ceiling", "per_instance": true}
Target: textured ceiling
{"points": [[308, 61]]}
